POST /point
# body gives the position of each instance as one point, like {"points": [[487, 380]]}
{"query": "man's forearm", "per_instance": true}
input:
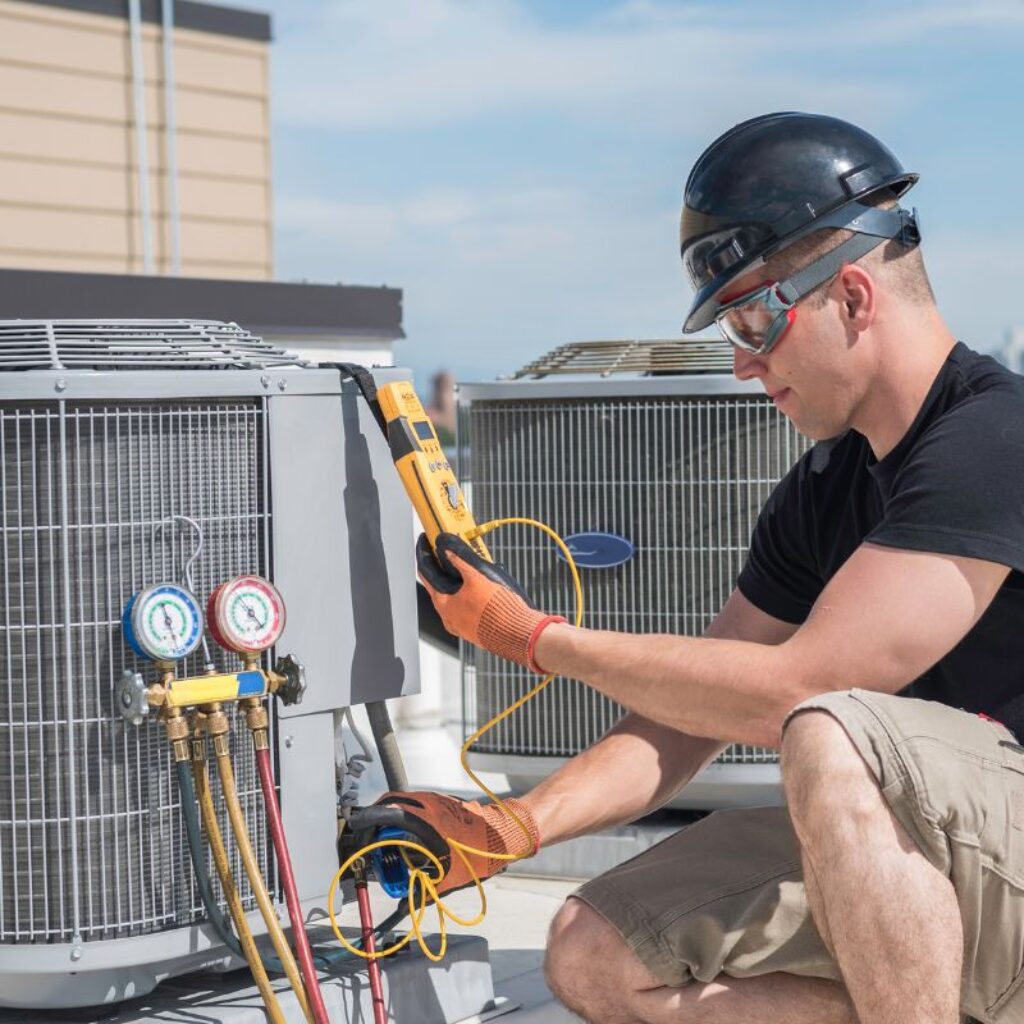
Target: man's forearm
{"points": [[731, 689], [630, 771]]}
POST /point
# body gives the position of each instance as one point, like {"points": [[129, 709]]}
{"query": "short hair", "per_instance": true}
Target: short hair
{"points": [[900, 266]]}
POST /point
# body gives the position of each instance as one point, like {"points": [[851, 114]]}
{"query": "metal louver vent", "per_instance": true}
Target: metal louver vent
{"points": [[135, 345], [701, 355]]}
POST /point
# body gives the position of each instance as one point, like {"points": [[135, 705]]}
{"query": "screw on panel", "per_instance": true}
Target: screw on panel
{"points": [[76, 952], [265, 381], [282, 383], [60, 384], [288, 742]]}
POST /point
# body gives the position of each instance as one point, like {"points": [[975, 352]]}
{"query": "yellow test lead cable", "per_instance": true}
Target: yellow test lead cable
{"points": [[528, 696], [419, 881]]}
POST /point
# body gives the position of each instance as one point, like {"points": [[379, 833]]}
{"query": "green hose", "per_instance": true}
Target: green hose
{"points": [[220, 923]]}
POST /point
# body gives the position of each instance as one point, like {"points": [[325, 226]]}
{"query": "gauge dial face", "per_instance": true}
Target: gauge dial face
{"points": [[249, 614], [165, 622]]}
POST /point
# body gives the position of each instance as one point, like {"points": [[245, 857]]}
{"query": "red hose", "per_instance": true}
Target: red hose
{"points": [[380, 1012], [302, 949]]}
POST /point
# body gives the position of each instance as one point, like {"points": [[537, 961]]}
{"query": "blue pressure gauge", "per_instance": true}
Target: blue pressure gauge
{"points": [[163, 623]]}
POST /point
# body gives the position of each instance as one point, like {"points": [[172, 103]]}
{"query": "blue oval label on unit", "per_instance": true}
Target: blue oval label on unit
{"points": [[598, 550]]}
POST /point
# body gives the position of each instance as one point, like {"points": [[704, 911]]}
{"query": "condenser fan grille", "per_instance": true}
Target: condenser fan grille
{"points": [[134, 345], [682, 478], [649, 358]]}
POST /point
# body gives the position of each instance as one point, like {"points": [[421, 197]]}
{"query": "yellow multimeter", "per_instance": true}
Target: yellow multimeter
{"points": [[424, 468]]}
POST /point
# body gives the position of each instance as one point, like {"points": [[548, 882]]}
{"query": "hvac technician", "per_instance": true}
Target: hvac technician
{"points": [[883, 593]]}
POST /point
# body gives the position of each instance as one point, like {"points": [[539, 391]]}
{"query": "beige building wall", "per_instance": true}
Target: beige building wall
{"points": [[69, 197]]}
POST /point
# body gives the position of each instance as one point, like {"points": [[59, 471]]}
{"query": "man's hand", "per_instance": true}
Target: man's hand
{"points": [[480, 601], [480, 826]]}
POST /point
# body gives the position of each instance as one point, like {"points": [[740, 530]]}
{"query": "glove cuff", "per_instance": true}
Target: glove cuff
{"points": [[506, 626], [504, 834], [531, 661]]}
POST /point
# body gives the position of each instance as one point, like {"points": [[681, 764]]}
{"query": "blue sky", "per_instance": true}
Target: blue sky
{"points": [[516, 166]]}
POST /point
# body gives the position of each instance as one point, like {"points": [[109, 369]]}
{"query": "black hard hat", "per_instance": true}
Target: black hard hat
{"points": [[768, 182]]}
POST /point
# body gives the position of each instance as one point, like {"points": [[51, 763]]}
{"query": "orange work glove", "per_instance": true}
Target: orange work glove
{"points": [[480, 826], [479, 601]]}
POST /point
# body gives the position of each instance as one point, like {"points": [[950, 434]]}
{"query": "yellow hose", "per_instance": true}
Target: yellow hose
{"points": [[252, 869], [234, 901]]}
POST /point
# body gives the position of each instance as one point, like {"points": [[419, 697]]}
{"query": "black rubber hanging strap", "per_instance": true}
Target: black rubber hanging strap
{"points": [[363, 378]]}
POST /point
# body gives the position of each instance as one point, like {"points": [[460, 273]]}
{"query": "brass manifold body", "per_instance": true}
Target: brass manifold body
{"points": [[247, 687], [207, 694]]}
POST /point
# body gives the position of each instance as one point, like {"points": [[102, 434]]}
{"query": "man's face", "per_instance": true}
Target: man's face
{"points": [[811, 374]]}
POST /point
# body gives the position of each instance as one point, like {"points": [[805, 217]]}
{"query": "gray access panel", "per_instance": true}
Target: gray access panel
{"points": [[309, 803], [343, 550]]}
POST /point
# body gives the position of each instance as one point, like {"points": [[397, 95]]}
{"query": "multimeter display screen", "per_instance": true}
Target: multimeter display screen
{"points": [[424, 429]]}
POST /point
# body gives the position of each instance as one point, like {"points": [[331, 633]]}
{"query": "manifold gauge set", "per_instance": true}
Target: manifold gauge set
{"points": [[246, 615], [163, 624]]}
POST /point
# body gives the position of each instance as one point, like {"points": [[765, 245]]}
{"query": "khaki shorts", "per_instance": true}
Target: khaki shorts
{"points": [[726, 895]]}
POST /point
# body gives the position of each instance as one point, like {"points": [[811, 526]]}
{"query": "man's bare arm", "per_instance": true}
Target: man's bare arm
{"points": [[637, 766], [885, 618]]}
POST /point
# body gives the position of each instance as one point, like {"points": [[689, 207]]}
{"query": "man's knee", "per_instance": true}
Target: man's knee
{"points": [[569, 955], [588, 965], [813, 740], [822, 770]]}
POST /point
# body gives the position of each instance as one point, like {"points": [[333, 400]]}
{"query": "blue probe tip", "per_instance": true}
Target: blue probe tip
{"points": [[389, 865]]}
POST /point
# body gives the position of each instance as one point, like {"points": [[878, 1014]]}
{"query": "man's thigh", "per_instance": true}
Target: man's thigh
{"points": [[955, 782], [725, 895]]}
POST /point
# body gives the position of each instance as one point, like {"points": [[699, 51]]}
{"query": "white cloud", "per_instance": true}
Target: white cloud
{"points": [[416, 63]]}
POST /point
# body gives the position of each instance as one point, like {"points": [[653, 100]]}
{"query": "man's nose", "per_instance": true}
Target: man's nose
{"points": [[746, 365]]}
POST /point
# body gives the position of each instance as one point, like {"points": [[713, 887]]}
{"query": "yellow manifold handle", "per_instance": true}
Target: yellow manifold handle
{"points": [[196, 690]]}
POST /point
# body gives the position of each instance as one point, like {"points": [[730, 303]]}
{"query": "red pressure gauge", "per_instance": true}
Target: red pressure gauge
{"points": [[246, 615]]}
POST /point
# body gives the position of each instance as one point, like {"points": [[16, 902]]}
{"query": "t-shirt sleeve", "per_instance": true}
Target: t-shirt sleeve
{"points": [[781, 574], [961, 491]]}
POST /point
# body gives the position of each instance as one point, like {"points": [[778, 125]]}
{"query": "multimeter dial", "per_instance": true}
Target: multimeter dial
{"points": [[163, 623], [246, 614]]}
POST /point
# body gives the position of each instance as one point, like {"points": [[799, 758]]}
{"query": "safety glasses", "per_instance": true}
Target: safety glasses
{"points": [[758, 319]]}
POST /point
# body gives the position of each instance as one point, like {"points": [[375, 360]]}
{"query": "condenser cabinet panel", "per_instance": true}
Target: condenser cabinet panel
{"points": [[308, 800], [343, 551]]}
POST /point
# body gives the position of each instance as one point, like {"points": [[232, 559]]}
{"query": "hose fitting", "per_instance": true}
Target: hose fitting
{"points": [[177, 732], [217, 727], [258, 721], [199, 737]]}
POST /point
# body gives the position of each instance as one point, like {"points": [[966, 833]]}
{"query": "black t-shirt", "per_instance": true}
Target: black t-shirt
{"points": [[953, 485]]}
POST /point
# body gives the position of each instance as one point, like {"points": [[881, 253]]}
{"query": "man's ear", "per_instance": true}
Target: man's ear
{"points": [[857, 296]]}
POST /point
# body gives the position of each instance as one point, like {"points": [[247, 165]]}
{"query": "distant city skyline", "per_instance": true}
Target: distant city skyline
{"points": [[517, 166]]}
